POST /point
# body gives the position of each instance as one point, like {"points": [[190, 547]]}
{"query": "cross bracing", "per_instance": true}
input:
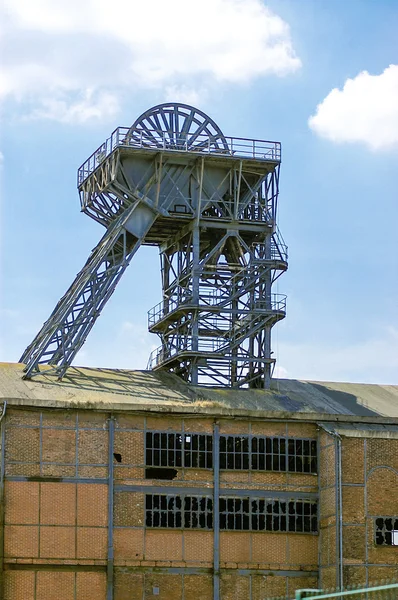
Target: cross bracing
{"points": [[209, 203]]}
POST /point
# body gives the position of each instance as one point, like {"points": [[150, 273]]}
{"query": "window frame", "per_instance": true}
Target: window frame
{"points": [[180, 513], [183, 451], [236, 513], [282, 458], [383, 531], [267, 517], [278, 459]]}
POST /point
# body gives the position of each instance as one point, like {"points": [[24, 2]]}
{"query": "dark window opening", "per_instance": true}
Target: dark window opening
{"points": [[188, 512], [189, 450], [302, 456], [237, 452], [160, 473], [117, 457], [258, 514], [268, 454], [236, 514], [234, 452], [386, 531]]}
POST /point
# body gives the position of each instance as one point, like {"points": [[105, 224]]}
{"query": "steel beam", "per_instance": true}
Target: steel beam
{"points": [[110, 551], [209, 202]]}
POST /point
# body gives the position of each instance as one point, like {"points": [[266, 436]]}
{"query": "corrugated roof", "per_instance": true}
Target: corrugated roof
{"points": [[123, 389]]}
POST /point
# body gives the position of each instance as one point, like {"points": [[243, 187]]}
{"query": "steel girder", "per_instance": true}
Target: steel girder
{"points": [[215, 323], [63, 334], [209, 203], [218, 310]]}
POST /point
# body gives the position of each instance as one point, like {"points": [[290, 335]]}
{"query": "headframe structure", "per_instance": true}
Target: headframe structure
{"points": [[209, 202]]}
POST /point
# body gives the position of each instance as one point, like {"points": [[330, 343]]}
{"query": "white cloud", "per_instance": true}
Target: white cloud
{"points": [[373, 361], [185, 94], [365, 110], [90, 106], [128, 349], [55, 50]]}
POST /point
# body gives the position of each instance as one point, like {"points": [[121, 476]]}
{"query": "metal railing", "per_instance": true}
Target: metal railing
{"points": [[276, 303], [385, 591], [378, 592], [184, 344], [275, 252], [175, 141]]}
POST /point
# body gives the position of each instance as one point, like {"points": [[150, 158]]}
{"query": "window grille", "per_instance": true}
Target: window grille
{"points": [[188, 512], [234, 452], [237, 452], [260, 514], [386, 531], [189, 450], [302, 456], [236, 514], [268, 453]]}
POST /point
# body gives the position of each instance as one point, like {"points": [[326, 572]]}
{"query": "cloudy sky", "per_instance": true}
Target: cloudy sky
{"points": [[321, 76]]}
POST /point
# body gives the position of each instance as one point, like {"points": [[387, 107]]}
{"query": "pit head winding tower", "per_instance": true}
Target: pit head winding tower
{"points": [[209, 203]]}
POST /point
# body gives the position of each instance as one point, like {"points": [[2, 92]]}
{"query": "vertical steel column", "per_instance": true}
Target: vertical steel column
{"points": [[109, 569], [340, 492], [195, 299], [365, 491], [320, 532], [268, 300], [336, 501], [339, 512], [216, 511], [2, 474]]}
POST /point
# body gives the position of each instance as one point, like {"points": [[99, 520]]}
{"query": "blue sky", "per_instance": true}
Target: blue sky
{"points": [[321, 76]]}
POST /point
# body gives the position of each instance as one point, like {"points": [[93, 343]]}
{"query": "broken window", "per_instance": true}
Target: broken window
{"points": [[302, 456], [302, 516], [262, 514], [161, 473], [237, 452], [190, 450], [386, 531], [268, 453], [188, 512], [236, 513]]}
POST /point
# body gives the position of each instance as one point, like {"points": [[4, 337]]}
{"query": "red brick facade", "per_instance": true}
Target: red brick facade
{"points": [[58, 543]]}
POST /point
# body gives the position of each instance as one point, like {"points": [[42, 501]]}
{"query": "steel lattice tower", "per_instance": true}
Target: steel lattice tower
{"points": [[209, 203]]}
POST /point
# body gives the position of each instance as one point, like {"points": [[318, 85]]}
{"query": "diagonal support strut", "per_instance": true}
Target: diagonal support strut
{"points": [[66, 330]]}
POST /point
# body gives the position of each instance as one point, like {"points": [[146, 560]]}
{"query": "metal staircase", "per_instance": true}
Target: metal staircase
{"points": [[209, 203]]}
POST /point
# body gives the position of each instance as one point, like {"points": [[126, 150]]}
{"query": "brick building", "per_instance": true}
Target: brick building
{"points": [[130, 485]]}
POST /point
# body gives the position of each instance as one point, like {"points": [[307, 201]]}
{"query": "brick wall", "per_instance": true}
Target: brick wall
{"points": [[327, 511], [370, 489], [56, 511]]}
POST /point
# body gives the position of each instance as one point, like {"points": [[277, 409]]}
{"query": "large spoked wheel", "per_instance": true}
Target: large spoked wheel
{"points": [[177, 127]]}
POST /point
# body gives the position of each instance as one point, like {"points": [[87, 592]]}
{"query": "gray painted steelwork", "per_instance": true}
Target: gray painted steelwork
{"points": [[209, 203], [223, 492], [2, 503], [110, 551], [216, 513]]}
